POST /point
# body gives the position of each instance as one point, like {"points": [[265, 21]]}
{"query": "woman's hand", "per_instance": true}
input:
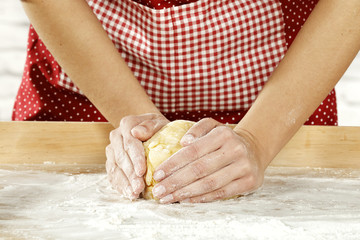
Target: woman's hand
{"points": [[215, 163], [126, 164]]}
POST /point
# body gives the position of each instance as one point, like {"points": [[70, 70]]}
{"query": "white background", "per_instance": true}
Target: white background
{"points": [[13, 39]]}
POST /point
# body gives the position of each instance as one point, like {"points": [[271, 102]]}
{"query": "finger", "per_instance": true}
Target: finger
{"points": [[123, 161], [120, 182], [198, 130], [137, 183], [204, 145], [110, 160], [132, 145], [200, 168], [116, 176], [237, 187], [133, 120], [134, 149], [148, 128], [207, 184], [129, 122]]}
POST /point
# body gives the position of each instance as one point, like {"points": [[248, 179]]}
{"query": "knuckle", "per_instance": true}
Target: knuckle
{"points": [[208, 123], [208, 120], [198, 169], [209, 185], [251, 181], [170, 167], [125, 120], [239, 150], [220, 194], [108, 150], [112, 134], [226, 132], [115, 134], [181, 194], [110, 165], [129, 144], [192, 151], [109, 161], [246, 167], [223, 132]]}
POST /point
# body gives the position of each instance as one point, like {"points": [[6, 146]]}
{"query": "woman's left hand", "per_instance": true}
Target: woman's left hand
{"points": [[215, 163]]}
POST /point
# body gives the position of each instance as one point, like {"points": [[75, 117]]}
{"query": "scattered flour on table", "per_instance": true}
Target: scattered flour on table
{"points": [[294, 203]]}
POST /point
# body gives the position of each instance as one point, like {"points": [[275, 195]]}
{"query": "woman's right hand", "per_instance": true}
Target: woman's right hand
{"points": [[126, 164]]}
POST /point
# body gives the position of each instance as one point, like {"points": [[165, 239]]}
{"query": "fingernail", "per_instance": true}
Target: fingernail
{"points": [[187, 139], [159, 175], [158, 190], [167, 199], [138, 170]]}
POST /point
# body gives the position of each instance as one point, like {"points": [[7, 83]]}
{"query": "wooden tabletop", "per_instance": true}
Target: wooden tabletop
{"points": [[84, 143]]}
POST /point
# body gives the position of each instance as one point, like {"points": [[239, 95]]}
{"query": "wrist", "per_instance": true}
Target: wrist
{"points": [[256, 149]]}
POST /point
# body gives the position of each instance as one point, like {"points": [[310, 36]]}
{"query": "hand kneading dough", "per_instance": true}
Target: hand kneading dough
{"points": [[160, 147]]}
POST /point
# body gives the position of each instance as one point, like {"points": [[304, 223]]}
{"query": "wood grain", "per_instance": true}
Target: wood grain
{"points": [[322, 146], [84, 143], [58, 142]]}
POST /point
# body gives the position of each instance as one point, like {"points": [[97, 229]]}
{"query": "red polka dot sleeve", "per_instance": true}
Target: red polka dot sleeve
{"points": [[41, 96]]}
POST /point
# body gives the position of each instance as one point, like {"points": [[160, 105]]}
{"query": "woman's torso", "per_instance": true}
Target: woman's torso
{"points": [[223, 82]]}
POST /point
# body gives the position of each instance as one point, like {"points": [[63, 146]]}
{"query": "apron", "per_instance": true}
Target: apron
{"points": [[207, 55], [208, 58]]}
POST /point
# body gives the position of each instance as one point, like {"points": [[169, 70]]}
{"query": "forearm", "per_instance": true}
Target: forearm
{"points": [[78, 42], [321, 53]]}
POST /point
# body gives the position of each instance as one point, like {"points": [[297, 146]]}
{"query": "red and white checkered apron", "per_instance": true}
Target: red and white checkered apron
{"points": [[206, 58], [207, 55]]}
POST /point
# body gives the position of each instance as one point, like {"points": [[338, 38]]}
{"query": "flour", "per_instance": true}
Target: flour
{"points": [[294, 203]]}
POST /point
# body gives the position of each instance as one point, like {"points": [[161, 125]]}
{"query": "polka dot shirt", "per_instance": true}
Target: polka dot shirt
{"points": [[41, 98]]}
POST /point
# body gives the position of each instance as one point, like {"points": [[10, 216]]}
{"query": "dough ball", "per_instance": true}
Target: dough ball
{"points": [[160, 147]]}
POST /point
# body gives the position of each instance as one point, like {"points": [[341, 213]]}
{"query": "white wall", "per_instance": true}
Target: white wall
{"points": [[13, 36]]}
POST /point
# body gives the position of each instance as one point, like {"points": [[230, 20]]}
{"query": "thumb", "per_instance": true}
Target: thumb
{"points": [[147, 129], [199, 129]]}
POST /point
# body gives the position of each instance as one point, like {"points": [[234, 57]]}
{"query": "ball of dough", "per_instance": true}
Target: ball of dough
{"points": [[160, 147]]}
